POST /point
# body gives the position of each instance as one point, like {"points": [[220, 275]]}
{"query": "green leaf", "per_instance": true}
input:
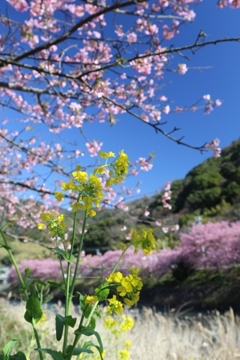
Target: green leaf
{"points": [[99, 350], [61, 322], [87, 344], [38, 281], [89, 331], [93, 322], [6, 247], [54, 354], [56, 285], [78, 351], [27, 282], [102, 292], [33, 310], [66, 255], [18, 356], [8, 348]]}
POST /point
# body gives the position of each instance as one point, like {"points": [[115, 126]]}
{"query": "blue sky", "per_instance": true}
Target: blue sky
{"points": [[212, 70], [221, 80]]}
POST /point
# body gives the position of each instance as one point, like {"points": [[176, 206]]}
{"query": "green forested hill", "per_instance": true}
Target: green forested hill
{"points": [[213, 181], [211, 190]]}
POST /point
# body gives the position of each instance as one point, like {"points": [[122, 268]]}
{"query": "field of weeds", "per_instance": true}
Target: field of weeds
{"points": [[155, 336]]}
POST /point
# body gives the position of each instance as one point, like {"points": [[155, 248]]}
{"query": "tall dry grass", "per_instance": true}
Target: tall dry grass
{"points": [[154, 337]]}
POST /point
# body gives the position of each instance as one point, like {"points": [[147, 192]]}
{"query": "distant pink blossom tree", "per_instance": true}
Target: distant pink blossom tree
{"points": [[205, 246], [212, 245]]}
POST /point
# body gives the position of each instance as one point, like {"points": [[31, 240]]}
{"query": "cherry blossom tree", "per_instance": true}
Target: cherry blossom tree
{"points": [[64, 63]]}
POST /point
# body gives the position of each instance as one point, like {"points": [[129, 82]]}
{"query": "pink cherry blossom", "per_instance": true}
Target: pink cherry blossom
{"points": [[207, 97], [144, 164], [132, 37], [94, 147], [218, 102], [182, 69], [146, 213]]}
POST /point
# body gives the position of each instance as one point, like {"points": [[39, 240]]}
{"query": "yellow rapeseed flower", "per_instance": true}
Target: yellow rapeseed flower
{"points": [[143, 240], [124, 355], [127, 323], [115, 277], [91, 299], [40, 226], [128, 344], [45, 216], [109, 322], [58, 195], [115, 306], [106, 155], [91, 213], [60, 218], [80, 176]]}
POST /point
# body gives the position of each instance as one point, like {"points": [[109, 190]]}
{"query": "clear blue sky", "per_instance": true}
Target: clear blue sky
{"points": [[221, 80]]}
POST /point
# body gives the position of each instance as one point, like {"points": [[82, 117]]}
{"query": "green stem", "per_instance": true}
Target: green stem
{"points": [[119, 260], [67, 306], [71, 284], [25, 293], [79, 254], [77, 337]]}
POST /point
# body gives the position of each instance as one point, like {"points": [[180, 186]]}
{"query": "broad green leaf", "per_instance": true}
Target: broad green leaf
{"points": [[8, 348], [18, 356], [102, 292], [61, 321], [65, 255], [33, 310], [56, 355]]}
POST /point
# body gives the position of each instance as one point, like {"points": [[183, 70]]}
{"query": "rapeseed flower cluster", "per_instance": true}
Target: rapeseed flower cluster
{"points": [[114, 306], [90, 187], [143, 239], [54, 223], [128, 287], [127, 323], [124, 322], [119, 169], [117, 325]]}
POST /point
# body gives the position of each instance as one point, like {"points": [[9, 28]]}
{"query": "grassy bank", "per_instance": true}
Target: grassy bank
{"points": [[154, 336]]}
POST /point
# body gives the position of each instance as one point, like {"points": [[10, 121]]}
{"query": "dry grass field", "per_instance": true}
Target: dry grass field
{"points": [[154, 337]]}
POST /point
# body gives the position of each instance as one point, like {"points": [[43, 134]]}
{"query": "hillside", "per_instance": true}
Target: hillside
{"points": [[210, 191]]}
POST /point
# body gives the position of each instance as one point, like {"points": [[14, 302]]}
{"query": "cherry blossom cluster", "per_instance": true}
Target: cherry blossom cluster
{"points": [[62, 64]]}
